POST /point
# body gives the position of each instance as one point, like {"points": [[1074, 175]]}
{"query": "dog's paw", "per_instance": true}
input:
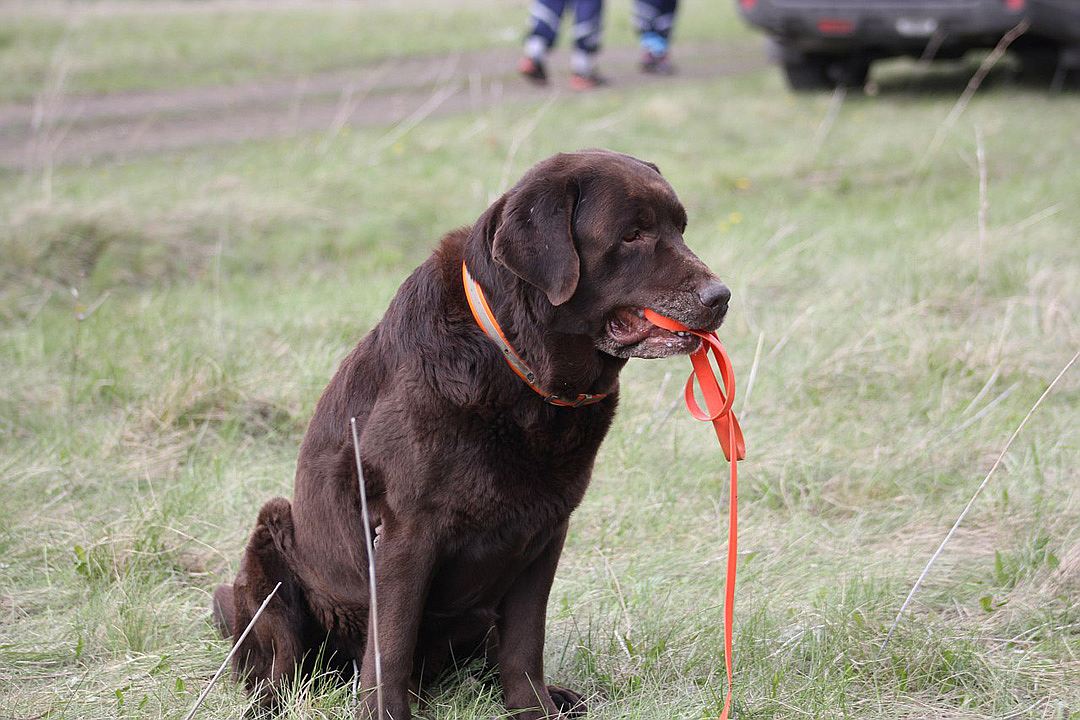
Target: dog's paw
{"points": [[569, 702]]}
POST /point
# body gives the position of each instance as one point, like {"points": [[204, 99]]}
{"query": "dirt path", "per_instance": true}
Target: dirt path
{"points": [[71, 129]]}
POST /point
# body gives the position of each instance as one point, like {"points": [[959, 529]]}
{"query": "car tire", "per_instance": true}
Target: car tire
{"points": [[850, 72], [1039, 64], [807, 73]]}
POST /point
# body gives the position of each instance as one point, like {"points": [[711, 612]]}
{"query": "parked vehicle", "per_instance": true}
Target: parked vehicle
{"points": [[821, 43]]}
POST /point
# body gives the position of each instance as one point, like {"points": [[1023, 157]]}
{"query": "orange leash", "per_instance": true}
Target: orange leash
{"points": [[718, 402]]}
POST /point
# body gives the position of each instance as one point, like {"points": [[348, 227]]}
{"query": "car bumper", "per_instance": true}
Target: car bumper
{"points": [[888, 25]]}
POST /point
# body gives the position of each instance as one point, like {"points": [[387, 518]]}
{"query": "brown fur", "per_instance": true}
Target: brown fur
{"points": [[470, 475]]}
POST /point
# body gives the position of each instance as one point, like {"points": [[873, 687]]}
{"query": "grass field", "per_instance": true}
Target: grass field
{"points": [[894, 348]]}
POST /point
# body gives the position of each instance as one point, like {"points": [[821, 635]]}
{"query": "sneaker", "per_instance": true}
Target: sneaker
{"points": [[657, 64], [532, 70], [584, 82]]}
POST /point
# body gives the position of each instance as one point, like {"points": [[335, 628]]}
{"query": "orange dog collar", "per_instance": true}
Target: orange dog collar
{"points": [[485, 318]]}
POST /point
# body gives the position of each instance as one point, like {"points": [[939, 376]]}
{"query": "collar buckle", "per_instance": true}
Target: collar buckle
{"points": [[579, 401]]}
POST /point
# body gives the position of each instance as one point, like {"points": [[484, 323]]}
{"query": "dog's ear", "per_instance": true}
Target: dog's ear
{"points": [[601, 151], [535, 239], [648, 164]]}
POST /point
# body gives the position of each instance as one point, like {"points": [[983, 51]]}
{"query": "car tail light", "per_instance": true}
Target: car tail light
{"points": [[835, 26], [1015, 5], [747, 4]]}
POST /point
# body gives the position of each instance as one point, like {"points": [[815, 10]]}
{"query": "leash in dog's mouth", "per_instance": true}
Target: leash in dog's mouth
{"points": [[718, 402], [630, 326]]}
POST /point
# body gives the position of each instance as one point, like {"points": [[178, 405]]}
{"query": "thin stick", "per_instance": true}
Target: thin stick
{"points": [[989, 406], [235, 647], [932, 47], [520, 137], [622, 604], [655, 414], [971, 502], [374, 604], [984, 201], [1037, 217], [982, 392], [444, 89], [670, 411], [753, 374], [972, 87], [661, 392], [829, 120], [1004, 334], [791, 328], [348, 101]]}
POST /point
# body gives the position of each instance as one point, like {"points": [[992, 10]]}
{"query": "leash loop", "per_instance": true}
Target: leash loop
{"points": [[718, 403]]}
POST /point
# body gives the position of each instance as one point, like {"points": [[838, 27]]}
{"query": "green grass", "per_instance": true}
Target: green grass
{"points": [[109, 46], [137, 444]]}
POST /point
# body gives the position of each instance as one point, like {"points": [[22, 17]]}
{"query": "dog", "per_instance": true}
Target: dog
{"points": [[480, 400]]}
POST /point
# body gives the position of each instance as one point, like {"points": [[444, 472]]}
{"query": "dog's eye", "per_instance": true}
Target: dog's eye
{"points": [[636, 235]]}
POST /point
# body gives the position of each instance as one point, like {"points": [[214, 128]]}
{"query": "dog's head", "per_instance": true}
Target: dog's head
{"points": [[601, 235]]}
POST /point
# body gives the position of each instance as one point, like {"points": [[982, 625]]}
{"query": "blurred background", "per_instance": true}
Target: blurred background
{"points": [[205, 204]]}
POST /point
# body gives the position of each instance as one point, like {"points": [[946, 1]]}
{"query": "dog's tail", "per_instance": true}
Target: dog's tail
{"points": [[276, 517]]}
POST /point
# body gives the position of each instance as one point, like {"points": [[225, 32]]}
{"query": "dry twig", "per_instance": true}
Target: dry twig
{"points": [[519, 138], [835, 104], [444, 89], [235, 647], [753, 374], [373, 605], [972, 87], [971, 502], [984, 201]]}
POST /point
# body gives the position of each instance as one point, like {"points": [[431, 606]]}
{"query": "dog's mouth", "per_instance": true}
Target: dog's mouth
{"points": [[629, 334]]}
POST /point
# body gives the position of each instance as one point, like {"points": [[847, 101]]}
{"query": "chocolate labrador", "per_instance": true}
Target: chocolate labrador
{"points": [[481, 399]]}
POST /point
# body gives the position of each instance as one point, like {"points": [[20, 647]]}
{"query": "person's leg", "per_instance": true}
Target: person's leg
{"points": [[544, 16], [654, 20], [588, 27]]}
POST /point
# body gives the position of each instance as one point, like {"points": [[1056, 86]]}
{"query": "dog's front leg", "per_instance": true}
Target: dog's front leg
{"points": [[521, 641], [403, 564]]}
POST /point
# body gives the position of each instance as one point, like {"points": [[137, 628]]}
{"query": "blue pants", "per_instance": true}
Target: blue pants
{"points": [[547, 14], [655, 17]]}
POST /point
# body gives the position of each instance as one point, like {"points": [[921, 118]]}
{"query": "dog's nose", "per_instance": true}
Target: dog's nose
{"points": [[714, 294]]}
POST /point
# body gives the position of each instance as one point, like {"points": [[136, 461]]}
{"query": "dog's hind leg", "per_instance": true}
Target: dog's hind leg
{"points": [[285, 633]]}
